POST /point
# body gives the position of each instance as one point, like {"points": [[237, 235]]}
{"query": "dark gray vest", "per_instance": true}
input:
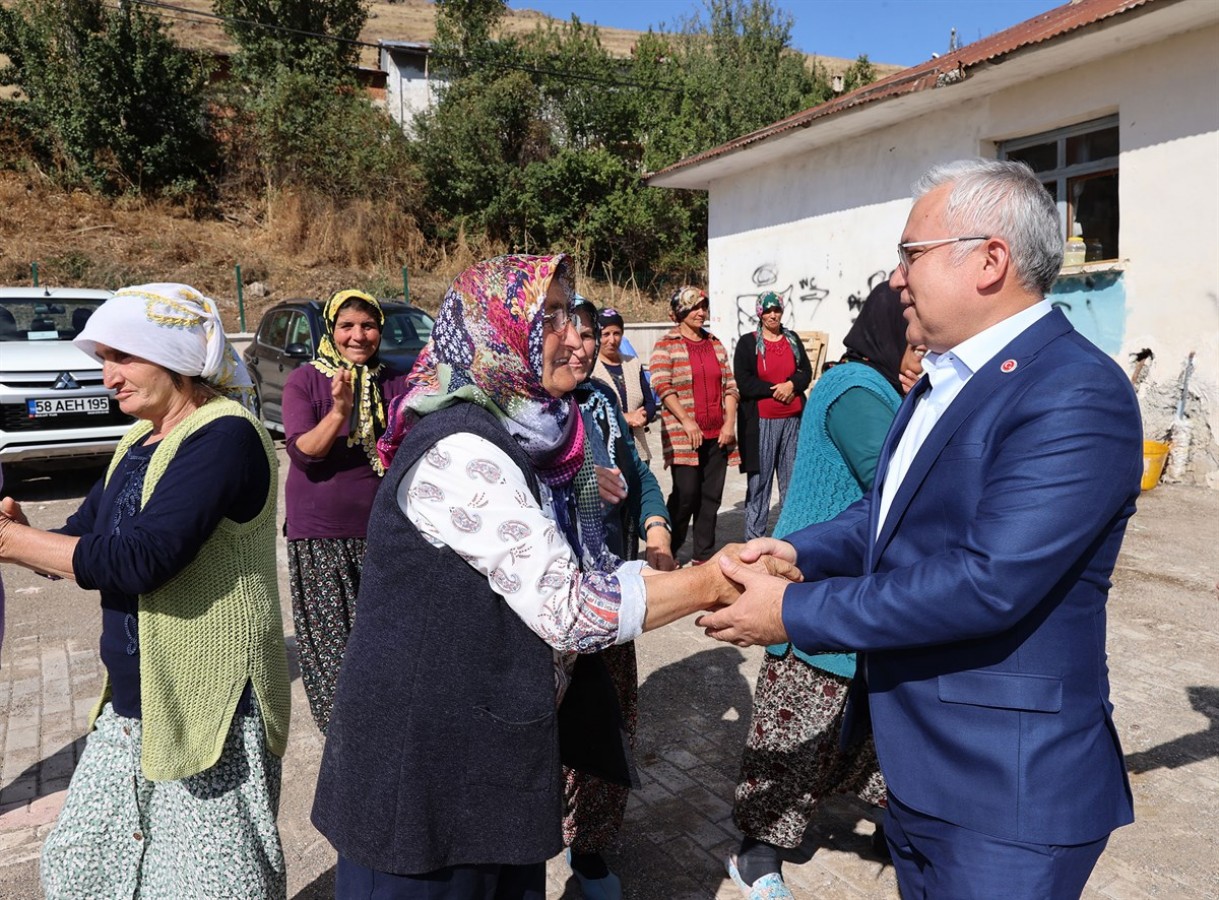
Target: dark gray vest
{"points": [[442, 748]]}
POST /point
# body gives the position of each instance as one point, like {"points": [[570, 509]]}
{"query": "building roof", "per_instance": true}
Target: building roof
{"points": [[949, 69]]}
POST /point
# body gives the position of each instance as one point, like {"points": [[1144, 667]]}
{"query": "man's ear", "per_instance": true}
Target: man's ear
{"points": [[995, 265]]}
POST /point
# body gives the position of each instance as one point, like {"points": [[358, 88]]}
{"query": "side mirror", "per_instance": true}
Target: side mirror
{"points": [[298, 351]]}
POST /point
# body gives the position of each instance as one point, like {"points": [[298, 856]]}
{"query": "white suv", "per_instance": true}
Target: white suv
{"points": [[52, 401]]}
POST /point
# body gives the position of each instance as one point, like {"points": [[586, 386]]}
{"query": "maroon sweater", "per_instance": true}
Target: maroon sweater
{"points": [[329, 496]]}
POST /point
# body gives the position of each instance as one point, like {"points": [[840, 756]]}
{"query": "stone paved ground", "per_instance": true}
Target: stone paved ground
{"points": [[694, 709]]}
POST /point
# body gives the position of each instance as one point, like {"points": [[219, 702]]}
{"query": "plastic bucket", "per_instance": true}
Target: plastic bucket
{"points": [[1154, 454]]}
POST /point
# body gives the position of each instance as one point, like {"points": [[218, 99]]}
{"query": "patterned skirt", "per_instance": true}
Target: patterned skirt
{"points": [[594, 808], [792, 757], [211, 835], [324, 578]]}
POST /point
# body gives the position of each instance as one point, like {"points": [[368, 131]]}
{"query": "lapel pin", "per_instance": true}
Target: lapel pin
{"points": [[1008, 366]]}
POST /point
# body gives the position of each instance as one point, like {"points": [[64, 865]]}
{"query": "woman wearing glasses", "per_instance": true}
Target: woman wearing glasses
{"points": [[485, 575]]}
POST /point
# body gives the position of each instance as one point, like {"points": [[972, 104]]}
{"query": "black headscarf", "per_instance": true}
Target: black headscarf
{"points": [[878, 337]]}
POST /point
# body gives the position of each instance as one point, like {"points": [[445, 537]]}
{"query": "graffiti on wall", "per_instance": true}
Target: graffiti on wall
{"points": [[1096, 305], [802, 298]]}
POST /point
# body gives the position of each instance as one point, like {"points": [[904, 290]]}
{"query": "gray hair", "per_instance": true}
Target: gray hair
{"points": [[1004, 199]]}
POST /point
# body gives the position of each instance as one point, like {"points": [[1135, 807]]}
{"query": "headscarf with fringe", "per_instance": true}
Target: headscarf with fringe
{"points": [[768, 301], [368, 405], [174, 326], [599, 409]]}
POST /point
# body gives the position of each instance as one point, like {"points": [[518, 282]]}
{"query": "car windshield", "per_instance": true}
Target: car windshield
{"points": [[407, 329], [44, 319]]}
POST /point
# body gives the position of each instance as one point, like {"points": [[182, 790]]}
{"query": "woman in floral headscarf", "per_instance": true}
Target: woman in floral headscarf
{"points": [[177, 790], [484, 576], [772, 373], [334, 411]]}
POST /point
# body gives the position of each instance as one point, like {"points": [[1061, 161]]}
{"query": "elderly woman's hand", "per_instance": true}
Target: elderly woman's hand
{"points": [[10, 515], [11, 509], [659, 546], [610, 485]]}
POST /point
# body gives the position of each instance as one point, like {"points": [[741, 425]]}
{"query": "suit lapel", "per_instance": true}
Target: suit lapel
{"points": [[989, 378]]}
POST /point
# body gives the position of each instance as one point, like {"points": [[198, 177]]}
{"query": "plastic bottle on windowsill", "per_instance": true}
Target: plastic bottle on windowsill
{"points": [[1076, 252]]}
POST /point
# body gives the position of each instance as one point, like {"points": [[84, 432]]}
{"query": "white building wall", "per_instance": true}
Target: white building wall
{"points": [[821, 228]]}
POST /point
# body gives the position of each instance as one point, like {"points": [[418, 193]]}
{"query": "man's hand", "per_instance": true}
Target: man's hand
{"points": [[760, 547], [728, 590], [636, 419], [756, 617], [727, 435]]}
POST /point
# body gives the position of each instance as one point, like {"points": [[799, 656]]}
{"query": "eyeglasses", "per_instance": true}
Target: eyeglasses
{"points": [[558, 320], [905, 259]]}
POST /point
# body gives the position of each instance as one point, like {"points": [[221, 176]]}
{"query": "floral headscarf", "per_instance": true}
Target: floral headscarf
{"points": [[766, 302], [486, 348], [174, 326], [368, 407]]}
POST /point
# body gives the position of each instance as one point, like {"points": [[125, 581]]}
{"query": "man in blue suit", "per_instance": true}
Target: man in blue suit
{"points": [[973, 578]]}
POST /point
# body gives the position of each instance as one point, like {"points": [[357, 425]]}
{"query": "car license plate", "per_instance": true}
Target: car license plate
{"points": [[67, 406]]}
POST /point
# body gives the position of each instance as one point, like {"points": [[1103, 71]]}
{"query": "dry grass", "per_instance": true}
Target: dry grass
{"points": [[295, 246]]}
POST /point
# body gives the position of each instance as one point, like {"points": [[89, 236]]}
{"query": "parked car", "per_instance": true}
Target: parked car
{"points": [[53, 405], [288, 336]]}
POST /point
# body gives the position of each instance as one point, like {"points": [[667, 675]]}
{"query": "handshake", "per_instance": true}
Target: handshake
{"points": [[740, 591]]}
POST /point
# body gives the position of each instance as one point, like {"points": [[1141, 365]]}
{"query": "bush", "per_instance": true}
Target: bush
{"points": [[111, 100]]}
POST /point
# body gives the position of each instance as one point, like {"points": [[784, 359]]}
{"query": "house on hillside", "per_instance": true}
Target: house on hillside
{"points": [[410, 83], [1113, 102]]}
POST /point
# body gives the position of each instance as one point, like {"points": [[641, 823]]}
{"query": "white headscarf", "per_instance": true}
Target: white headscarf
{"points": [[174, 326]]}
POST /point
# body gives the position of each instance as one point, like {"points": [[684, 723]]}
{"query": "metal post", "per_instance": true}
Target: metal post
{"points": [[34, 272], [240, 300], [406, 286]]}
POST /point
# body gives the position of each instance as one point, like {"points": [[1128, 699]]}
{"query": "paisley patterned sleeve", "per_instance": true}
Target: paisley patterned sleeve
{"points": [[467, 494]]}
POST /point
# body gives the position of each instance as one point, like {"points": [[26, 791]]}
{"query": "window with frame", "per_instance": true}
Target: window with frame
{"points": [[1079, 167]]}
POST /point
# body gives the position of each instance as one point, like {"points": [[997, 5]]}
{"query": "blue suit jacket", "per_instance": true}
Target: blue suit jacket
{"points": [[980, 606]]}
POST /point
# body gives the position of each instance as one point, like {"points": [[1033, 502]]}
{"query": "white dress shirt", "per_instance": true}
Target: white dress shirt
{"points": [[948, 373]]}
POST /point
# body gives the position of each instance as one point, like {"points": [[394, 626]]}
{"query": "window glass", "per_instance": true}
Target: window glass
{"points": [[1094, 211], [1093, 146], [59, 319], [298, 331], [276, 330], [1040, 157], [407, 330], [1079, 167]]}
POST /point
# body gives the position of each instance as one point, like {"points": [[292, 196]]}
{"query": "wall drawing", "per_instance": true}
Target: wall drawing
{"points": [[855, 301]]}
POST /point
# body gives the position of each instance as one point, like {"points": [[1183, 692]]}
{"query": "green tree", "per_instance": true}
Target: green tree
{"points": [[314, 36], [111, 99], [463, 32]]}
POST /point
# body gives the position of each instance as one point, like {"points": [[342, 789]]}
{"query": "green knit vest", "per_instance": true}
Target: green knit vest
{"points": [[210, 629]]}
